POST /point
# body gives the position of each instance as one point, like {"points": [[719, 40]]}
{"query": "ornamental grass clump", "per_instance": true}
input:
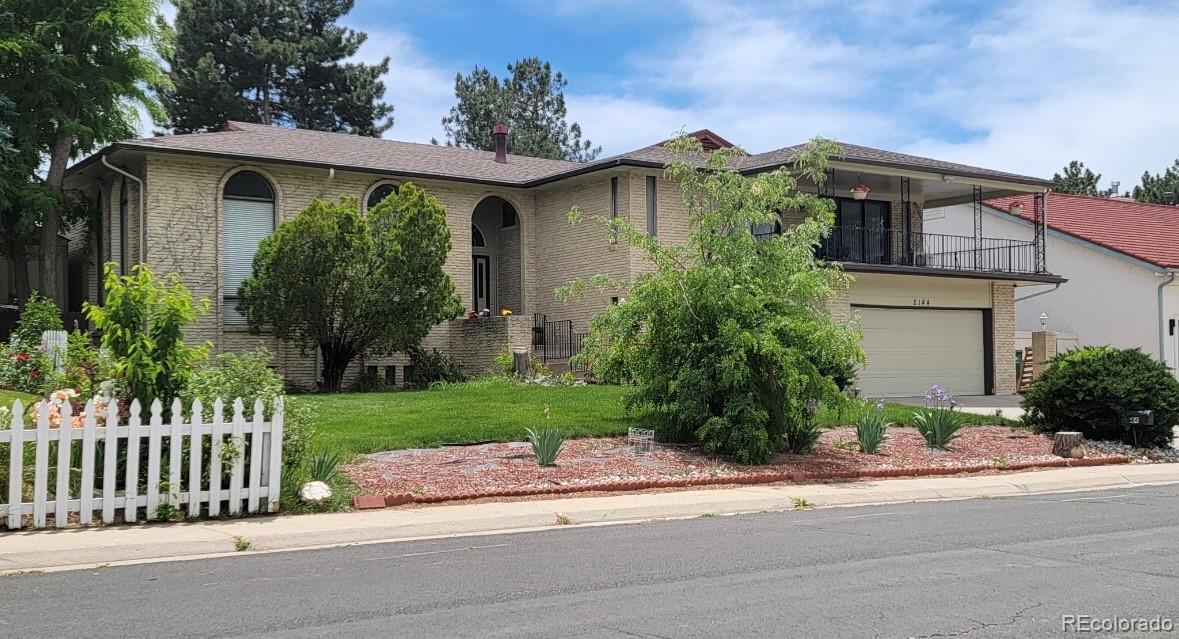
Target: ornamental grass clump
{"points": [[938, 422], [871, 428]]}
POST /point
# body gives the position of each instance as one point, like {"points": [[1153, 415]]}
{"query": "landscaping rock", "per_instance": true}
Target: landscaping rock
{"points": [[314, 492]]}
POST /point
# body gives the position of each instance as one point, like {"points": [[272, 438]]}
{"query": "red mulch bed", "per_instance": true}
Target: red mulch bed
{"points": [[503, 470]]}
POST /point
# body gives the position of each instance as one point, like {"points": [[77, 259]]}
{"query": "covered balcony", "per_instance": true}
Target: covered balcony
{"points": [[888, 247]]}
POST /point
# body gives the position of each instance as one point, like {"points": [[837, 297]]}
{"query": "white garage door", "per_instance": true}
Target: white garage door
{"points": [[909, 350]]}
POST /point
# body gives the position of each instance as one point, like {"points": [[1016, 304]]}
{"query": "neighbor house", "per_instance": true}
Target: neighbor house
{"points": [[933, 308], [1120, 257]]}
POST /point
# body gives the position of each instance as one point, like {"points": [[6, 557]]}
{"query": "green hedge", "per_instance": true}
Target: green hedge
{"points": [[1089, 389]]}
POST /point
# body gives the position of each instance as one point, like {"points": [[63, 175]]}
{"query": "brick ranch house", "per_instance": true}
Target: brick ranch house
{"points": [[933, 308]]}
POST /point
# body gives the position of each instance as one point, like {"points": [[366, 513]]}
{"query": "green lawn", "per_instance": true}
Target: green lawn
{"points": [[9, 396], [495, 410], [899, 414], [479, 411]]}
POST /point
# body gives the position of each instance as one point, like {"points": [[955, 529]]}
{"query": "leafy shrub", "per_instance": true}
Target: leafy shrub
{"points": [[938, 422], [142, 322], [431, 366], [505, 362], [232, 375], [23, 368], [38, 315], [1088, 390], [249, 376], [802, 434], [729, 337], [369, 382], [841, 371], [871, 428], [546, 444]]}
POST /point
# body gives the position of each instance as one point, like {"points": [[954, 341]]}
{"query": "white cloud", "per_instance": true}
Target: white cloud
{"points": [[420, 89], [1026, 87], [1054, 81]]}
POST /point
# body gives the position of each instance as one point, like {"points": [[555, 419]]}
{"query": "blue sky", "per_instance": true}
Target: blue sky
{"points": [[1016, 85]]}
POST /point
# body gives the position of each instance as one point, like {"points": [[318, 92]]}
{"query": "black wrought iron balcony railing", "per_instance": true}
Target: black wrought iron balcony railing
{"points": [[861, 245]]}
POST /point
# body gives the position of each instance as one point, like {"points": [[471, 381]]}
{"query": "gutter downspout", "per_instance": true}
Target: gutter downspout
{"points": [[1039, 293], [143, 206], [1162, 321]]}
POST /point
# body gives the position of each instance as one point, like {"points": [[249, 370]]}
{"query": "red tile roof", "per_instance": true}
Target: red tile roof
{"points": [[1149, 232]]}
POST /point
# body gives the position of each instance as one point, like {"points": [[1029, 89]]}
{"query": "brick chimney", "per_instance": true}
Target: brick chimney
{"points": [[501, 142]]}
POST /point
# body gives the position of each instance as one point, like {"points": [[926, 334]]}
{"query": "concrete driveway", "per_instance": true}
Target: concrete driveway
{"points": [[1004, 405]]}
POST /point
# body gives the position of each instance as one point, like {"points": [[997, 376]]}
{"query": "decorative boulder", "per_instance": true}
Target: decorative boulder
{"points": [[314, 492]]}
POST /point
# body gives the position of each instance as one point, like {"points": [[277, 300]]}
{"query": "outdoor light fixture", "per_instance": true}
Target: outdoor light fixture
{"points": [[947, 178], [1017, 209], [1043, 320]]}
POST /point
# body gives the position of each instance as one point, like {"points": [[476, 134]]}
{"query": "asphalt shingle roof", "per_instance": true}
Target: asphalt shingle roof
{"points": [[258, 141], [1145, 231], [866, 154], [355, 151]]}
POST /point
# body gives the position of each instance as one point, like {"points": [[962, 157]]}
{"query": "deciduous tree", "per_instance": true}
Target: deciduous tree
{"points": [[349, 284], [74, 70], [729, 339]]}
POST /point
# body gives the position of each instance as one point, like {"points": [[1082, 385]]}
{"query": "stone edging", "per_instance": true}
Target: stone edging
{"points": [[399, 499]]}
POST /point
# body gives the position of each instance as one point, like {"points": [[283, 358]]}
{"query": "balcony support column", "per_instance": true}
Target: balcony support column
{"points": [[976, 202], [906, 223], [1039, 230]]}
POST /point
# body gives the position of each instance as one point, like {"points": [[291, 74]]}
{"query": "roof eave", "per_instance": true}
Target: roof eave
{"points": [[919, 169]]}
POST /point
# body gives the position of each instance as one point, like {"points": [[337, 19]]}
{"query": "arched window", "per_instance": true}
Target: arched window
{"points": [[247, 207], [381, 192], [477, 237]]}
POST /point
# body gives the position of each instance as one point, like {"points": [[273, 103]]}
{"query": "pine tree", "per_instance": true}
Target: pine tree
{"points": [[1078, 180], [272, 62], [1155, 187], [531, 101]]}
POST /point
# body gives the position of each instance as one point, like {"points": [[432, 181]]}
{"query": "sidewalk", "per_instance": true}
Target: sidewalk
{"points": [[91, 547]]}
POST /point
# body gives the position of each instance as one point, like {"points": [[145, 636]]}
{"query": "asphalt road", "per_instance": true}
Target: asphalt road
{"points": [[979, 568]]}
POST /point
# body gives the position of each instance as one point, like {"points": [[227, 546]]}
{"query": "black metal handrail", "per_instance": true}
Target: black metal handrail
{"points": [[862, 245], [555, 340]]}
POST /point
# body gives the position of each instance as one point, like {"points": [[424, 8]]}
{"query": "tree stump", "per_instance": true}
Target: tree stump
{"points": [[1065, 441], [522, 363]]}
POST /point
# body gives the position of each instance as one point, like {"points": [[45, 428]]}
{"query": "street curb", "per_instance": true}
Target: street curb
{"points": [[369, 502]]}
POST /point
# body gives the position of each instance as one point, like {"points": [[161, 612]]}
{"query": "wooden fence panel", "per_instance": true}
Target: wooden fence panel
{"points": [[101, 444]]}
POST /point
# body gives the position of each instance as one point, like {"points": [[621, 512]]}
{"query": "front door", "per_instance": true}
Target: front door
{"points": [[482, 281]]}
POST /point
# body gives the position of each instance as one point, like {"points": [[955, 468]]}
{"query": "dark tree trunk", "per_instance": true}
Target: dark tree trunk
{"points": [[20, 274], [335, 362], [50, 225]]}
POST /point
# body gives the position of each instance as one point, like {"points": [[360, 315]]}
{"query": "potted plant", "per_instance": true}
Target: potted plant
{"points": [[860, 191], [472, 314]]}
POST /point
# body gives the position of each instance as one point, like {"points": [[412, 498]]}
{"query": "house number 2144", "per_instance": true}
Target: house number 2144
{"points": [[920, 301]]}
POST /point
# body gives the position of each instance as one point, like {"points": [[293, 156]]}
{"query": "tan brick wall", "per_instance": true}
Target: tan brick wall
{"points": [[572, 251], [474, 343], [1003, 328], [183, 236], [840, 307]]}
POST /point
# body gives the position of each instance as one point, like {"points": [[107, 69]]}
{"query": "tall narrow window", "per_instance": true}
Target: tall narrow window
{"points": [[247, 206], [124, 258], [652, 213], [613, 198]]}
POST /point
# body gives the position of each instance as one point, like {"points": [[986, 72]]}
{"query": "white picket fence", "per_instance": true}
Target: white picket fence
{"points": [[249, 483]]}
